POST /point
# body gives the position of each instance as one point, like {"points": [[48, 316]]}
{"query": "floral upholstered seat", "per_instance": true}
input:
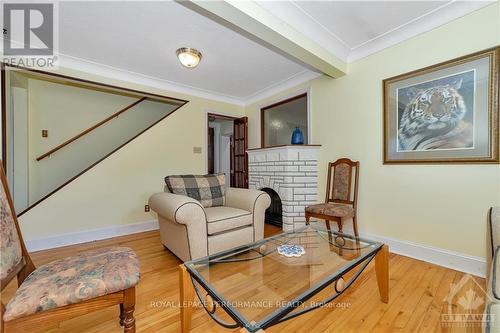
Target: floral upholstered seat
{"points": [[75, 279], [331, 209], [341, 195]]}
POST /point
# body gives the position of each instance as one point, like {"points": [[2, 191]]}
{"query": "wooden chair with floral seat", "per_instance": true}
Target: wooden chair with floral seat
{"points": [[341, 195], [64, 288]]}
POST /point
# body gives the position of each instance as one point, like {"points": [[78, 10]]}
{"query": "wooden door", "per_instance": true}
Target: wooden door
{"points": [[239, 152], [231, 168], [210, 150]]}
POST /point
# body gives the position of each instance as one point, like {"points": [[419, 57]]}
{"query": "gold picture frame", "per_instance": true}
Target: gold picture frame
{"points": [[444, 113]]}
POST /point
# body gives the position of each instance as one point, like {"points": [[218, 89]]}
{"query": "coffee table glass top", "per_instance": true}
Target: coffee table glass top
{"points": [[257, 287]]}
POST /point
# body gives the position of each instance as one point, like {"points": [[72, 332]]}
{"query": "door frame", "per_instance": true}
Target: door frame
{"points": [[211, 114]]}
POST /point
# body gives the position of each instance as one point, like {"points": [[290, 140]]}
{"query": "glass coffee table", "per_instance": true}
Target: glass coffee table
{"points": [[254, 287]]}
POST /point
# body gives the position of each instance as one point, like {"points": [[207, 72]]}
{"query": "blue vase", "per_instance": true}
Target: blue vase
{"points": [[297, 137]]}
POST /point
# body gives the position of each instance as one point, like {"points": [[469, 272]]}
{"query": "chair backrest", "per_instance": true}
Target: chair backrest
{"points": [[340, 186], [14, 258]]}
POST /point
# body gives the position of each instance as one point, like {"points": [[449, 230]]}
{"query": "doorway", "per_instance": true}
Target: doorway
{"points": [[227, 143]]}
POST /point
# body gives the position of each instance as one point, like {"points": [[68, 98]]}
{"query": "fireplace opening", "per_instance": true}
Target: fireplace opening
{"points": [[274, 214]]}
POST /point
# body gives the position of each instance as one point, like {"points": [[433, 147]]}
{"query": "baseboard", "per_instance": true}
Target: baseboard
{"points": [[89, 235], [450, 259]]}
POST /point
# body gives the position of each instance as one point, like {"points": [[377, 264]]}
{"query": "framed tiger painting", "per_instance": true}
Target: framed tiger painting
{"points": [[446, 113]]}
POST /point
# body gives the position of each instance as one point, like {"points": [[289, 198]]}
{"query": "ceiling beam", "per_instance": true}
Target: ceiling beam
{"points": [[253, 21]]}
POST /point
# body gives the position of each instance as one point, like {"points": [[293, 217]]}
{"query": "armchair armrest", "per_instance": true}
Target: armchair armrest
{"points": [[254, 201], [247, 199], [183, 224], [493, 229], [177, 208]]}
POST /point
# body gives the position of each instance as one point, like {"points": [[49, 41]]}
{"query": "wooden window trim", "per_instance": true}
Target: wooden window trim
{"points": [[264, 109]]}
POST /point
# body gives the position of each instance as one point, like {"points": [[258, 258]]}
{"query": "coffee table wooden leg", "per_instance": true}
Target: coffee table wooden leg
{"points": [[186, 298], [382, 271]]}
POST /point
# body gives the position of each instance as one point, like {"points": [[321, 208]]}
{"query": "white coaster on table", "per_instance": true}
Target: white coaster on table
{"points": [[291, 250]]}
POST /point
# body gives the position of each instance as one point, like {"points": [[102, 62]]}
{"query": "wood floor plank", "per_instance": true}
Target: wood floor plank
{"points": [[417, 294]]}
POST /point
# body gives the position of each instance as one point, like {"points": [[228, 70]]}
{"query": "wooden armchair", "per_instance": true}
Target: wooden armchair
{"points": [[341, 195], [64, 288]]}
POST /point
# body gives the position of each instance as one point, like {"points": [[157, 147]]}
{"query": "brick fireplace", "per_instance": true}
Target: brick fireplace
{"points": [[292, 173]]}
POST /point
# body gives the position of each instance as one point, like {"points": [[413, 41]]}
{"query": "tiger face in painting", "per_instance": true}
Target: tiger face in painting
{"points": [[433, 119]]}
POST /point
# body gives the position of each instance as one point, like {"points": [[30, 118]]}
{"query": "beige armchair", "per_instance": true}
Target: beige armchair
{"points": [[493, 306], [191, 231]]}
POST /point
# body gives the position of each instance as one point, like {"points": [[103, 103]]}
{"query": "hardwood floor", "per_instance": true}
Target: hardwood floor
{"points": [[417, 297]]}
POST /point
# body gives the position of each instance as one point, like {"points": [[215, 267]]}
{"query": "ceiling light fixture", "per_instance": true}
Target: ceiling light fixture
{"points": [[188, 56]]}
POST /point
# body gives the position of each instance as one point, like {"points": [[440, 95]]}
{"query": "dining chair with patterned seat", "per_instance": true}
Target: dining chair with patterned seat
{"points": [[341, 195], [64, 288]]}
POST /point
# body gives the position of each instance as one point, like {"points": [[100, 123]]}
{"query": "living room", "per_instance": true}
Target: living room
{"points": [[269, 95]]}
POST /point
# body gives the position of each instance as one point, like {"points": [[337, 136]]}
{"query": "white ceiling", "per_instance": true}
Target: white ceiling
{"points": [[143, 37], [352, 30], [136, 41], [356, 24]]}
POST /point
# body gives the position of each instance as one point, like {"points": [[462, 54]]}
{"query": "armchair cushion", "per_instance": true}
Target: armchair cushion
{"points": [[209, 190], [74, 279], [220, 219]]}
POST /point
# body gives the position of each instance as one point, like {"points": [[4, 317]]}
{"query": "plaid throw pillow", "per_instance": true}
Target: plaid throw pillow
{"points": [[209, 190]]}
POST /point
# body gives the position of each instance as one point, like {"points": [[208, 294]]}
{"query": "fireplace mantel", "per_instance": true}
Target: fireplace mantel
{"points": [[292, 172], [284, 146]]}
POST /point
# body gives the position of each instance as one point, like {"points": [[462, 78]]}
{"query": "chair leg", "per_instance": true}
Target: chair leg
{"points": [[128, 310], [339, 223], [2, 311], [355, 226], [307, 219], [122, 315]]}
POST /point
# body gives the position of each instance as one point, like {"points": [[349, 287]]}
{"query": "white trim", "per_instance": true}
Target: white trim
{"points": [[89, 235], [99, 69], [291, 82], [95, 68], [309, 26], [450, 259], [205, 129], [419, 25], [446, 258], [284, 148]]}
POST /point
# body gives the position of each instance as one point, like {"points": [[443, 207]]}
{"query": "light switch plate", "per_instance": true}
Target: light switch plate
{"points": [[197, 150]]}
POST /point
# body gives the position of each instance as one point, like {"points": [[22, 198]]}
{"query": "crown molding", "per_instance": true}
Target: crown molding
{"points": [[94, 68], [281, 86], [438, 17], [291, 13], [87, 66], [431, 20], [99, 69]]}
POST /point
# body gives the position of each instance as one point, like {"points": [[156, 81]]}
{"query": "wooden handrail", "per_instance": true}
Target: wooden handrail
{"points": [[90, 129]]}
